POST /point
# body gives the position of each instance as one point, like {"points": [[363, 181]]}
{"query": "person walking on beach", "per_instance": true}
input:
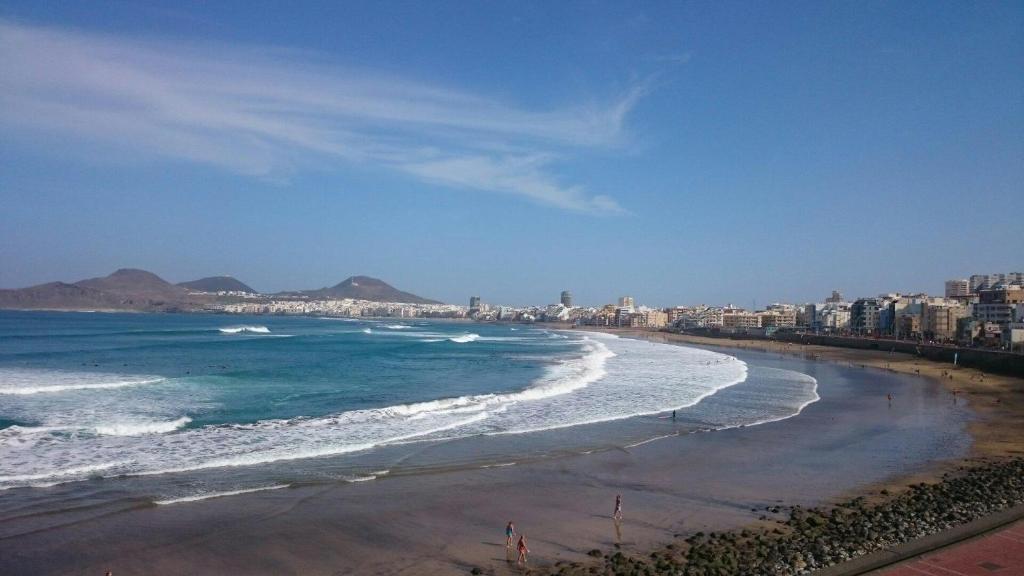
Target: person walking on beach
{"points": [[523, 550], [889, 397], [618, 507], [510, 531]]}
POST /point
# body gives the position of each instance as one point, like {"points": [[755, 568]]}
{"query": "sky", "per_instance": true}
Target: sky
{"points": [[681, 153]]}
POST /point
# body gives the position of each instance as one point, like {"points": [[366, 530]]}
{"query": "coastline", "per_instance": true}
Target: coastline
{"points": [[997, 400], [450, 521]]}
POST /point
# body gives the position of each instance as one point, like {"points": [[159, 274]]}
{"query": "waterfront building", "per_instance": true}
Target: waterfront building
{"points": [[779, 316], [566, 299], [626, 302], [807, 315], [864, 316], [939, 320], [998, 305], [740, 318], [655, 318]]}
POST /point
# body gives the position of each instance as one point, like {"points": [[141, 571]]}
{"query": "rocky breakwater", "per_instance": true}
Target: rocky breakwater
{"points": [[814, 538]]}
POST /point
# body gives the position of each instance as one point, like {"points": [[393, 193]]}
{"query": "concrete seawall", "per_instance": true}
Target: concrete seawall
{"points": [[994, 361]]}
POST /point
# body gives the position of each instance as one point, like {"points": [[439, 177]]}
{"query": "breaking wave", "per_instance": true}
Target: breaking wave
{"points": [[245, 330], [24, 382]]}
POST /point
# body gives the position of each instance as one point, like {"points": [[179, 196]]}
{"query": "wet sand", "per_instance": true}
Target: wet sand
{"points": [[450, 522]]}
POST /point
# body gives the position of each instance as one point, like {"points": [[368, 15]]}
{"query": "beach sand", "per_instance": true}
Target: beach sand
{"points": [[449, 522]]}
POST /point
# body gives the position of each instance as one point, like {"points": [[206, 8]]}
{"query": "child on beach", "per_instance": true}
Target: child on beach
{"points": [[523, 550], [618, 507], [510, 531]]}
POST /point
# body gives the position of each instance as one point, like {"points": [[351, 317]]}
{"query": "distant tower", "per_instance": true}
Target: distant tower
{"points": [[835, 298], [626, 302], [566, 298], [474, 303]]}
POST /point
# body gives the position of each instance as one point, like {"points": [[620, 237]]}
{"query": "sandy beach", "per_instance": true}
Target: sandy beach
{"points": [[450, 522]]}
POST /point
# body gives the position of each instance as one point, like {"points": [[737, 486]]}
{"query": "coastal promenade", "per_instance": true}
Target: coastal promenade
{"points": [[998, 553]]}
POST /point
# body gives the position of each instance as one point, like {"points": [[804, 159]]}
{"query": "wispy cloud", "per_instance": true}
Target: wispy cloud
{"points": [[264, 112]]}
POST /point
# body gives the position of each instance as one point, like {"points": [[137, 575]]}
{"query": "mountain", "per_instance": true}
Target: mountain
{"points": [[125, 289], [58, 296], [217, 284], [366, 288], [135, 284]]}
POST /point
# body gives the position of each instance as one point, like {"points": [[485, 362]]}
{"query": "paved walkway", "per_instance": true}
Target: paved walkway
{"points": [[998, 554]]}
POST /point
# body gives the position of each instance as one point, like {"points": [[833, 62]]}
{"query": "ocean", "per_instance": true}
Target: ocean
{"points": [[166, 408]]}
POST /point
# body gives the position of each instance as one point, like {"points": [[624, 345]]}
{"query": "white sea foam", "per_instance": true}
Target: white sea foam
{"points": [[367, 331], [21, 382], [208, 495], [397, 327], [138, 428], [245, 330]]}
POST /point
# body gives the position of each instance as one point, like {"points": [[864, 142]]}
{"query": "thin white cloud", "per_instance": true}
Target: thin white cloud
{"points": [[262, 112]]}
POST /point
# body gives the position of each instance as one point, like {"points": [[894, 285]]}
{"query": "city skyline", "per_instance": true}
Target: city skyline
{"points": [[657, 156]]}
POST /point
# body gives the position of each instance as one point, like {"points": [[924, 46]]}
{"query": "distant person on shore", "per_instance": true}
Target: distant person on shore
{"points": [[510, 531], [889, 397], [673, 414], [523, 550], [618, 507]]}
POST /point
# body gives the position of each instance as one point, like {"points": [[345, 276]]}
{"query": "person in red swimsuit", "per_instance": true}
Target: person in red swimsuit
{"points": [[523, 550]]}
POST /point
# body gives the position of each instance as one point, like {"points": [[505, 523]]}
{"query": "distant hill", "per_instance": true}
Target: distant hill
{"points": [[58, 296], [217, 284], [125, 289], [137, 284], [366, 288], [132, 289]]}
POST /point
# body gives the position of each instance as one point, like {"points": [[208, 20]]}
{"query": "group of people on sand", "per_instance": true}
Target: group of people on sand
{"points": [[523, 550]]}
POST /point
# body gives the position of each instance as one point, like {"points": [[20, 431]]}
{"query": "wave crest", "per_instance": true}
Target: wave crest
{"points": [[245, 329]]}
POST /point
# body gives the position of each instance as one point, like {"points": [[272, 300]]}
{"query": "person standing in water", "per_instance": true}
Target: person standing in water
{"points": [[523, 550], [889, 397], [510, 531], [618, 507]]}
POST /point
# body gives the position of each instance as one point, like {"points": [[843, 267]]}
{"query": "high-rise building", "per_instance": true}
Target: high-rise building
{"points": [[566, 299], [981, 282], [474, 303], [958, 288], [626, 302], [835, 298]]}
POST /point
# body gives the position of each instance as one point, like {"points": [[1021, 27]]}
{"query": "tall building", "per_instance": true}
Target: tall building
{"points": [[958, 288], [474, 304], [626, 302], [835, 298], [864, 316], [980, 282], [566, 299]]}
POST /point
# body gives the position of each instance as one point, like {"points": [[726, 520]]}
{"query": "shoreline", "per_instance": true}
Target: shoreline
{"points": [[998, 400]]}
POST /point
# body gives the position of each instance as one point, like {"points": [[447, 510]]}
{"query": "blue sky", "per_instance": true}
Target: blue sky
{"points": [[679, 152]]}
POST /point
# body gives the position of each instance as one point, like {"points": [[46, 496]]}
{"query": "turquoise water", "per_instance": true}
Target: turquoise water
{"points": [[180, 406]]}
